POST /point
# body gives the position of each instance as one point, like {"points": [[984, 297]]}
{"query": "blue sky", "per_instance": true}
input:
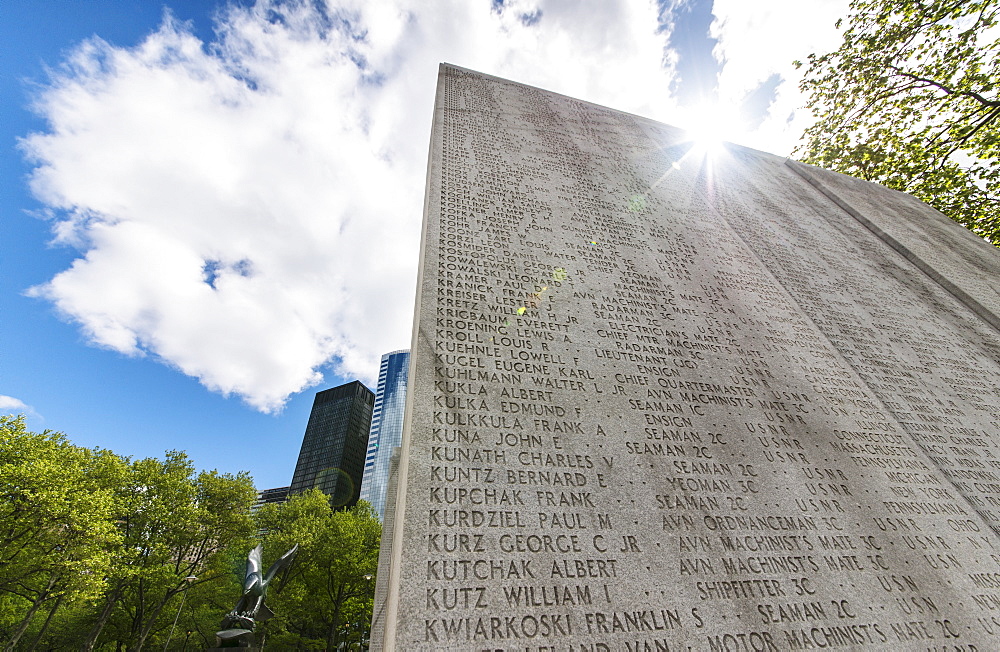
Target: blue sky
{"points": [[210, 211]]}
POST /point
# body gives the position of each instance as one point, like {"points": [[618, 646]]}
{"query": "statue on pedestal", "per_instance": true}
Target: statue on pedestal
{"points": [[238, 625]]}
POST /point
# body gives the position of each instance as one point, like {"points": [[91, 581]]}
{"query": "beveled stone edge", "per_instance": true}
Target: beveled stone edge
{"points": [[399, 520], [952, 288]]}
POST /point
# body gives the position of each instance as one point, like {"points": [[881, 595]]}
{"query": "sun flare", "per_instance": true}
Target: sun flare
{"points": [[711, 125]]}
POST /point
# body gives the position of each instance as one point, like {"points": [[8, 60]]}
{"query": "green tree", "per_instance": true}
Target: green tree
{"points": [[909, 100], [174, 524], [56, 524], [98, 551], [327, 600]]}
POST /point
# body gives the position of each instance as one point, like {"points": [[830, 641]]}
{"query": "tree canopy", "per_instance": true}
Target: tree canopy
{"points": [[175, 523], [104, 552], [96, 549], [327, 603], [56, 528], [910, 100]]}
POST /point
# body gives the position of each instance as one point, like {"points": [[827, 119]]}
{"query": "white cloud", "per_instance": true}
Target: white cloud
{"points": [[248, 211], [11, 405], [758, 39]]}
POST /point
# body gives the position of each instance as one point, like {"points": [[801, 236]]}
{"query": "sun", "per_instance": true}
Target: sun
{"points": [[709, 125]]}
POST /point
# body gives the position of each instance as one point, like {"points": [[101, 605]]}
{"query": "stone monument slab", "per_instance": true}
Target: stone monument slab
{"points": [[664, 398]]}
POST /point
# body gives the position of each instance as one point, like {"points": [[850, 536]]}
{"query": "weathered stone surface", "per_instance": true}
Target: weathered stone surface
{"points": [[665, 401], [959, 261]]}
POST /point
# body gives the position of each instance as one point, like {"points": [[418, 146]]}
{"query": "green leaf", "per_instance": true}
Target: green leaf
{"points": [[909, 100]]}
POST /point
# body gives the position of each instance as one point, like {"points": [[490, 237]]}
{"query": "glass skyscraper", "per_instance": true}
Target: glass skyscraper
{"points": [[387, 426], [332, 457]]}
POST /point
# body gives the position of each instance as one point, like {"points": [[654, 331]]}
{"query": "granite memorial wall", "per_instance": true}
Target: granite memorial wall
{"points": [[670, 399]]}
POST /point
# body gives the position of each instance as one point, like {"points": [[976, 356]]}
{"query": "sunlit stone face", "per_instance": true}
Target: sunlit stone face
{"points": [[661, 399]]}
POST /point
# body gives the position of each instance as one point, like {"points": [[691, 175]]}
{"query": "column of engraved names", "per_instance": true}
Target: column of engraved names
{"points": [[862, 432], [466, 504], [920, 380], [916, 371], [562, 478], [791, 543], [740, 303], [507, 419], [840, 300], [652, 337], [578, 239], [571, 378]]}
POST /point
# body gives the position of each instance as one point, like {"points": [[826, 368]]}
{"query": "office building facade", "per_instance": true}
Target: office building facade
{"points": [[332, 456], [387, 427], [268, 496]]}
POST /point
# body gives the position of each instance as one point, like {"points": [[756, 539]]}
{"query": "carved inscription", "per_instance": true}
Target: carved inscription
{"points": [[669, 402]]}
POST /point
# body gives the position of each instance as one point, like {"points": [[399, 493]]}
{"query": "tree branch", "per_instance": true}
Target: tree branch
{"points": [[985, 121], [947, 89]]}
